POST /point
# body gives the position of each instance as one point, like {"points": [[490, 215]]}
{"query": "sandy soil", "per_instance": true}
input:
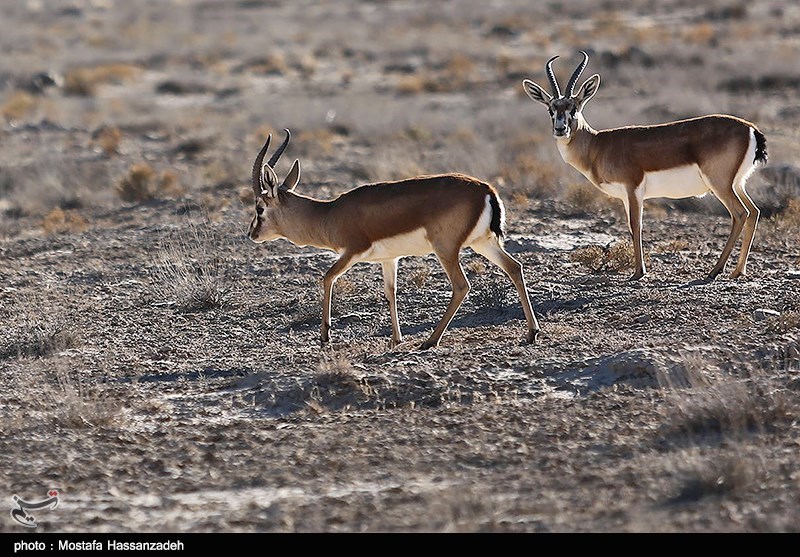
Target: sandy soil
{"points": [[164, 374]]}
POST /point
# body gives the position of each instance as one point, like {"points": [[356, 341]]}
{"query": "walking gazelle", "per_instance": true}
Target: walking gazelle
{"points": [[679, 159], [383, 222]]}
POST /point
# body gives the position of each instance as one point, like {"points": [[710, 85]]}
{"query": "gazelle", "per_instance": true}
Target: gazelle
{"points": [[386, 221], [678, 159]]}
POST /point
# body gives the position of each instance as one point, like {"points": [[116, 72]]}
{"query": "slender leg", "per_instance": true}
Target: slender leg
{"points": [[458, 280], [739, 214], [344, 262], [751, 222], [390, 290], [634, 206], [493, 251]]}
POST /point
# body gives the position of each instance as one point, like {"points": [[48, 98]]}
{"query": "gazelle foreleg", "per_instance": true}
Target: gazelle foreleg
{"points": [[390, 290], [634, 207], [344, 262], [494, 252], [449, 258]]}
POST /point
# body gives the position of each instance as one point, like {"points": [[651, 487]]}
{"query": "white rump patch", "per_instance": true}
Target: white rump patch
{"points": [[748, 164], [482, 227]]}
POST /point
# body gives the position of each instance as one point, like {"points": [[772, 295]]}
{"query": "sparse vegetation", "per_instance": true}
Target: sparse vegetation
{"points": [[158, 351], [18, 105], [59, 221], [189, 274], [614, 258], [84, 81], [142, 183]]}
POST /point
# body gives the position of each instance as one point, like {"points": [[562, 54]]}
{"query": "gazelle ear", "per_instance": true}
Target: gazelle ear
{"points": [[587, 90], [292, 178], [536, 93], [269, 181]]}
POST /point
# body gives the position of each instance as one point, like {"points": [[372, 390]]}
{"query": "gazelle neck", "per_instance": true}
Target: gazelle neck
{"points": [[575, 148], [301, 220]]}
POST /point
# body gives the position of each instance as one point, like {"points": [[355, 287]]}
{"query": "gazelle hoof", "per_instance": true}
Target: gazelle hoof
{"points": [[636, 276], [428, 344], [532, 336]]}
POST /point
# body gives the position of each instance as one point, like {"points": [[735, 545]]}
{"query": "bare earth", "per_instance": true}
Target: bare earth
{"points": [[164, 374]]}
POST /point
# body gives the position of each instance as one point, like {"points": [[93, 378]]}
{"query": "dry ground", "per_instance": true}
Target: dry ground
{"points": [[166, 376]]}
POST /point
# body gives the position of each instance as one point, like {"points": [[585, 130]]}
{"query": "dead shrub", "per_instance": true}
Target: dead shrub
{"points": [[83, 82], [18, 104], [142, 184], [337, 386], [108, 139], [272, 64], [614, 258], [59, 221], [700, 34]]}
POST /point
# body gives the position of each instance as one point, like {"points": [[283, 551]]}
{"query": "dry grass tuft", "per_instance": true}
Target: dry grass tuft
{"points": [[614, 258], [75, 403], [142, 184], [83, 82], [59, 221], [18, 105], [190, 274], [337, 386], [272, 64], [108, 139], [453, 74], [706, 403], [38, 337], [717, 477]]}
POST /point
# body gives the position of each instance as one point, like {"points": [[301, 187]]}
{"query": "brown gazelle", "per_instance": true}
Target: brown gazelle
{"points": [[386, 221], [678, 159]]}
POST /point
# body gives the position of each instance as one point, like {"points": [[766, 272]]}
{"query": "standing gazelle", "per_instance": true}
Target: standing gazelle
{"points": [[679, 159], [384, 222]]}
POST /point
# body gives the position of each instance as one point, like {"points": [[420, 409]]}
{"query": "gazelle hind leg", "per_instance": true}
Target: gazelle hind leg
{"points": [[390, 290], [750, 225], [449, 258], [739, 213], [494, 252]]}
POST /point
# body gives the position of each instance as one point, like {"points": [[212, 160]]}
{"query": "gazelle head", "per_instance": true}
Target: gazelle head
{"points": [[269, 193], [565, 108]]}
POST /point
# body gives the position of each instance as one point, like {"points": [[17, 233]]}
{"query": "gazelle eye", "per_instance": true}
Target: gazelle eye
{"points": [[260, 210]]}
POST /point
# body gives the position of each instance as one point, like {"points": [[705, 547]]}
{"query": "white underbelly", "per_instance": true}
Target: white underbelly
{"points": [[408, 244], [675, 183]]}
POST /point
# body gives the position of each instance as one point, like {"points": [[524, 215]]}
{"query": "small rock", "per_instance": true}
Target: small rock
{"points": [[762, 314], [793, 274], [644, 318]]}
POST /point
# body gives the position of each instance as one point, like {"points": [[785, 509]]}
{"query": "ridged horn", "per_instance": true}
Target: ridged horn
{"points": [[551, 77], [257, 186], [281, 149], [576, 74]]}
